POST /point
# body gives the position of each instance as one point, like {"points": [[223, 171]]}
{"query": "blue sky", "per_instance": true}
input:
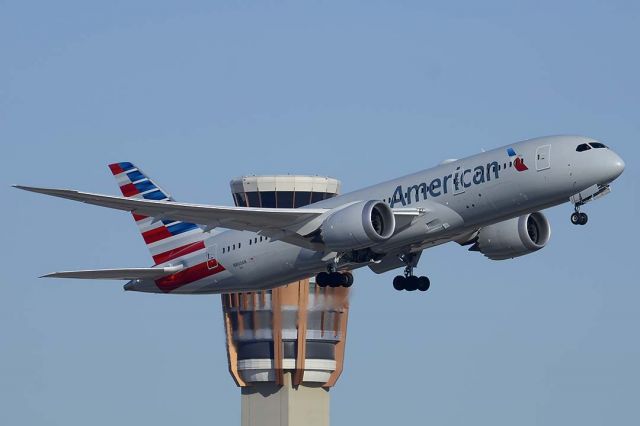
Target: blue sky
{"points": [[197, 93]]}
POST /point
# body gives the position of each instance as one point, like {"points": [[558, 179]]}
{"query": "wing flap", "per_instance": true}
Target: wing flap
{"points": [[116, 274]]}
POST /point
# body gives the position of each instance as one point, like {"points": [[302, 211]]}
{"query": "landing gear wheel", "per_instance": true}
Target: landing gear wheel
{"points": [[322, 279], [348, 280], [583, 219], [423, 283], [398, 282], [575, 218], [336, 279], [412, 283], [409, 281]]}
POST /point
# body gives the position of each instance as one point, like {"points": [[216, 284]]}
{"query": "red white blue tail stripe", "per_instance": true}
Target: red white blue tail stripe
{"points": [[167, 240]]}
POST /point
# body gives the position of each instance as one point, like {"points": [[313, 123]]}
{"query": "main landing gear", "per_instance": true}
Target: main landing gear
{"points": [[408, 281], [578, 218], [334, 279], [411, 283]]}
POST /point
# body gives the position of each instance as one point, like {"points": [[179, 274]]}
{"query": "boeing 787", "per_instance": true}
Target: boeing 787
{"points": [[490, 202]]}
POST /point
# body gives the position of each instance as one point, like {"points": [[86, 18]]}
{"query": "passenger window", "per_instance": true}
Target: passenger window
{"points": [[234, 246], [239, 245], [222, 249], [255, 240], [583, 147], [597, 145]]}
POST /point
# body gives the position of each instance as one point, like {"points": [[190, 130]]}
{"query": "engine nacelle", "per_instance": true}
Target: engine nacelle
{"points": [[360, 225], [514, 237]]}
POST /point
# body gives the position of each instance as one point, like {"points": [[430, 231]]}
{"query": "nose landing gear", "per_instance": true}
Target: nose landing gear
{"points": [[580, 199], [578, 218]]}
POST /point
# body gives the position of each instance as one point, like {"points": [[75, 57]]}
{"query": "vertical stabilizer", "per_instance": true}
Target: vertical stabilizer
{"points": [[167, 240]]}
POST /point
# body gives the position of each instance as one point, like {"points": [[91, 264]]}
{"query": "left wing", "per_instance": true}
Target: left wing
{"points": [[239, 218], [286, 224]]}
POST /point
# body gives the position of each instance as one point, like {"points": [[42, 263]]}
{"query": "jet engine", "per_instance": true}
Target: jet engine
{"points": [[357, 226], [514, 237]]}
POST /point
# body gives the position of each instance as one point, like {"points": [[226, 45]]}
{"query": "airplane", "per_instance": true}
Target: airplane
{"points": [[490, 202]]}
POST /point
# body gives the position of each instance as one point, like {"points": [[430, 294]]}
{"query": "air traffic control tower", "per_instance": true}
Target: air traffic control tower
{"points": [[285, 346]]}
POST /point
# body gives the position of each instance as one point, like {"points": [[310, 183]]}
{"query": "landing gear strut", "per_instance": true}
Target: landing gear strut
{"points": [[408, 281], [578, 218]]}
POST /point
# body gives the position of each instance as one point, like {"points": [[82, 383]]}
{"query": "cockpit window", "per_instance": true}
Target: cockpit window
{"points": [[597, 145], [583, 147]]}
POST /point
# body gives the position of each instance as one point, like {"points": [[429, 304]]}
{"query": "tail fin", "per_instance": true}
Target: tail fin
{"points": [[166, 239]]}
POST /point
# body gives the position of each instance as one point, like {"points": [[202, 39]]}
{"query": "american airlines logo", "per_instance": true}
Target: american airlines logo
{"points": [[518, 162]]}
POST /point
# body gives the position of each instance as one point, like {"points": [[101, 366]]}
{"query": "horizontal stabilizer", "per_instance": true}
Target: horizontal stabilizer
{"points": [[116, 274]]}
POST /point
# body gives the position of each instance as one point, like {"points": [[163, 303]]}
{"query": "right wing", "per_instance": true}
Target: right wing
{"points": [[117, 274]]}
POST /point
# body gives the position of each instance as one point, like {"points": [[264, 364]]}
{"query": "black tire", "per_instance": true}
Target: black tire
{"points": [[423, 283], [322, 279], [336, 279], [412, 283], [575, 218], [398, 282], [583, 219], [349, 280]]}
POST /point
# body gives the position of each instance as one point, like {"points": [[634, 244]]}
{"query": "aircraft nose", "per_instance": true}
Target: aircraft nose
{"points": [[616, 166]]}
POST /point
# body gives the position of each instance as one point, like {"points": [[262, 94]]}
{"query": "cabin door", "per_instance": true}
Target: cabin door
{"points": [[543, 157], [212, 257]]}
